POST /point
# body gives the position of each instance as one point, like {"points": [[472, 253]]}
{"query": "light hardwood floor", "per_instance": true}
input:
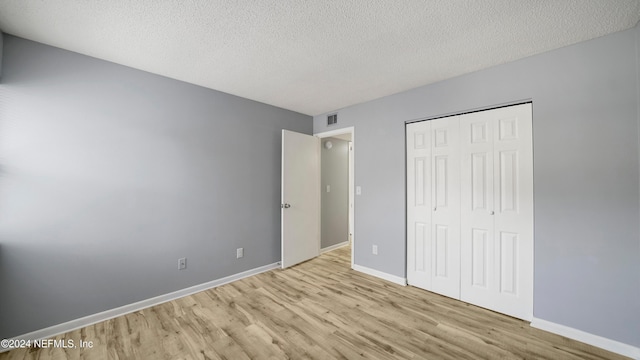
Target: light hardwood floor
{"points": [[320, 309]]}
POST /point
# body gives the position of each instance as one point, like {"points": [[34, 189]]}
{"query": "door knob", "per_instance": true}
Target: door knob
{"points": [[285, 206], [492, 212], [434, 209]]}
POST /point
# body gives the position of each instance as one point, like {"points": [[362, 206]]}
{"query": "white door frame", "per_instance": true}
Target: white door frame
{"points": [[343, 131]]}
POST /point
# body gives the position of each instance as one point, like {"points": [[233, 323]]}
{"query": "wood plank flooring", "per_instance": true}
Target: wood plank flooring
{"points": [[320, 309]]}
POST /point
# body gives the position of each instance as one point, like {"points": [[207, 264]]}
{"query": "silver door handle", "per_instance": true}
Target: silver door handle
{"points": [[492, 213], [285, 206]]}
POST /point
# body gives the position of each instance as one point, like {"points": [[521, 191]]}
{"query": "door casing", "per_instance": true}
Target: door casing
{"points": [[344, 131]]}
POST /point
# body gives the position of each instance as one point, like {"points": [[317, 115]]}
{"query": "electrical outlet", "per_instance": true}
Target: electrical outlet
{"points": [[182, 263], [239, 253], [374, 249]]}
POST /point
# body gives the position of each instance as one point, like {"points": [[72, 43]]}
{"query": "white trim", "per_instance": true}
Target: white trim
{"points": [[335, 132], [351, 198], [587, 338], [335, 246], [379, 274], [126, 309]]}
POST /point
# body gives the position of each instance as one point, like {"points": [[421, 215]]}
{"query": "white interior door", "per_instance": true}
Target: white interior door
{"points": [[300, 205], [497, 210]]}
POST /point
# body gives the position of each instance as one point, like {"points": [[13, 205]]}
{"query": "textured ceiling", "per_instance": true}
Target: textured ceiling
{"points": [[313, 56]]}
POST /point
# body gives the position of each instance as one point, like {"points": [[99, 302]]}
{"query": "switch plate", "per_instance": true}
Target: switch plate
{"points": [[239, 253], [182, 263], [328, 188], [358, 190], [374, 249]]}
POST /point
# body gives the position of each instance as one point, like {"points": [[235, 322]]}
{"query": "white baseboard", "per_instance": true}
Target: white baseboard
{"points": [[333, 247], [382, 275], [126, 309], [587, 338]]}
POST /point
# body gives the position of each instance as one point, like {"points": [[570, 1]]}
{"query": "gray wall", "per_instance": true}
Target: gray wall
{"points": [[110, 174], [586, 175], [335, 204]]}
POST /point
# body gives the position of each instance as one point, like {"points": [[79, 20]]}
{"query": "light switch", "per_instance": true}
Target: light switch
{"points": [[358, 190], [328, 188]]}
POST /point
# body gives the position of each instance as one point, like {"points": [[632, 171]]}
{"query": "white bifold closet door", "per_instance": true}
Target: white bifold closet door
{"points": [[433, 183], [489, 202], [497, 210]]}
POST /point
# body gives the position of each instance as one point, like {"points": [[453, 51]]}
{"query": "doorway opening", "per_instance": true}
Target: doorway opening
{"points": [[337, 189]]}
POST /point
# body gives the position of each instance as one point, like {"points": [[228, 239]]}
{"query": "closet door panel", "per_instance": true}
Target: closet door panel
{"points": [[480, 260], [477, 249], [446, 206], [507, 220], [419, 247], [513, 220]]}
